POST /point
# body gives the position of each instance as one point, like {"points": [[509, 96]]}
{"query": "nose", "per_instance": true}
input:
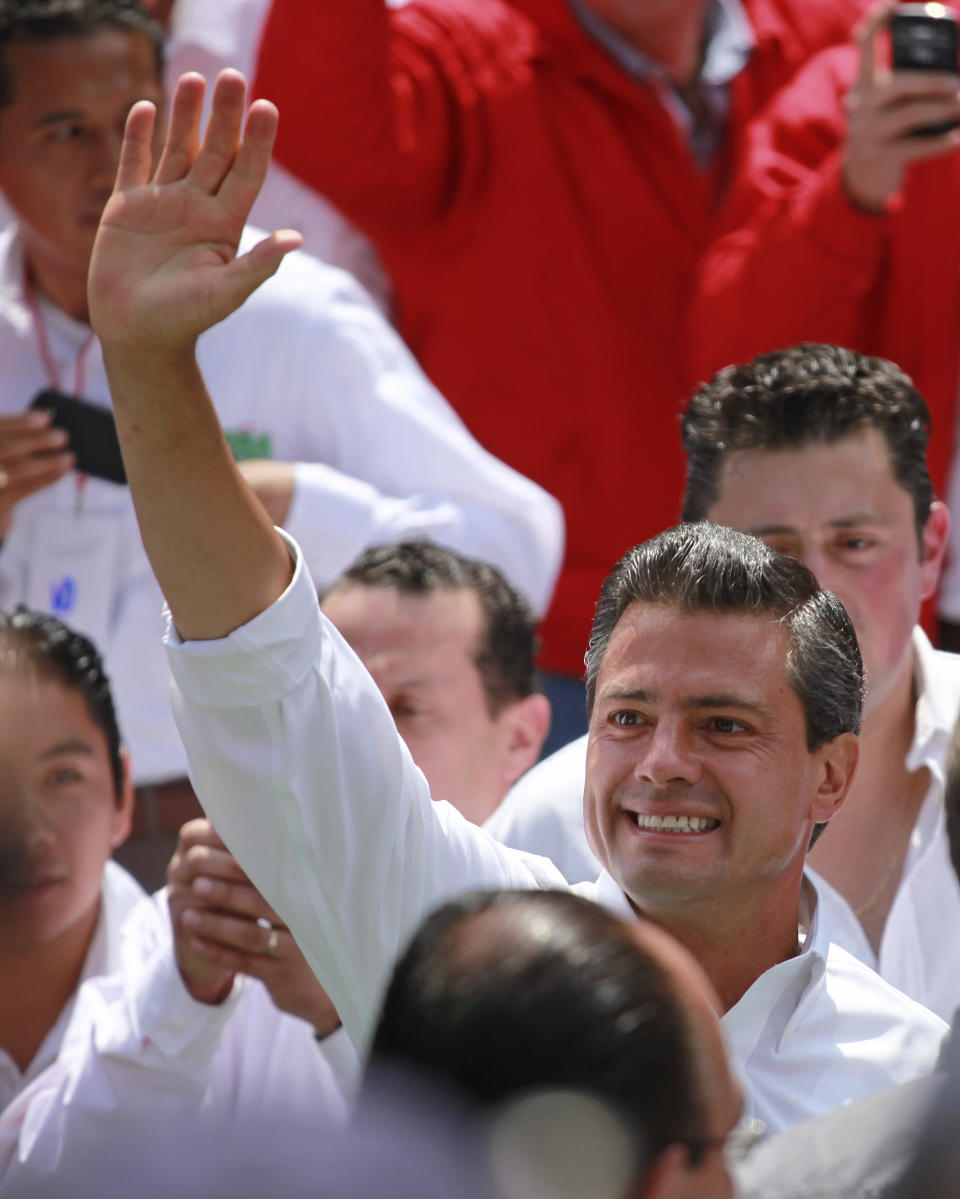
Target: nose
{"points": [[669, 755]]}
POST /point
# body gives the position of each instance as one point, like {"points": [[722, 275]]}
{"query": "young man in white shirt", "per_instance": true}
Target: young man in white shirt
{"points": [[822, 453], [306, 379], [725, 691]]}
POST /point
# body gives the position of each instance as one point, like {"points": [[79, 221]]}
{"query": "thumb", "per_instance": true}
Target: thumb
{"points": [[245, 274]]}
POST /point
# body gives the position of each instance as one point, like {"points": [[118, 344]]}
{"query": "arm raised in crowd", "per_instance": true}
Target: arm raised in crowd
{"points": [[164, 268]]}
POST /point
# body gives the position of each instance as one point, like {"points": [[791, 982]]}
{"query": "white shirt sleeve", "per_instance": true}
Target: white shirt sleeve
{"points": [[298, 763]]}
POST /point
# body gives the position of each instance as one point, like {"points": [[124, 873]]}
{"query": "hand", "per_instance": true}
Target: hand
{"points": [[883, 108], [222, 927], [32, 456], [164, 265], [273, 484]]}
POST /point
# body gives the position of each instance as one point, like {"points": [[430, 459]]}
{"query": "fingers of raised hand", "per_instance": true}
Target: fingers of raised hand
{"points": [[183, 133], [222, 139], [136, 153], [249, 168]]}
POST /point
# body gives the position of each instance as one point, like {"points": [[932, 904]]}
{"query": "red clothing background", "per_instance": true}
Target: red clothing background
{"points": [[542, 219]]}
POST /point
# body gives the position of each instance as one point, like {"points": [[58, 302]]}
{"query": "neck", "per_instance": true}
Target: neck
{"points": [[35, 986], [673, 39], [64, 288], [737, 942]]}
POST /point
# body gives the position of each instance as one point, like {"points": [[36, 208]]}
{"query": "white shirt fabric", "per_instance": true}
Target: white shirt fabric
{"points": [[134, 1043], [208, 35], [297, 761], [307, 371], [543, 813]]}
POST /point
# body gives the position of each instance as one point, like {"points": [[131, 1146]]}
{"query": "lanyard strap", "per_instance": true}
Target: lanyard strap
{"points": [[43, 343]]}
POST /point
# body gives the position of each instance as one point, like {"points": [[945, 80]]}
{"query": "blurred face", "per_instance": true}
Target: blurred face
{"points": [[699, 784], [838, 508], [421, 651], [59, 815], [60, 138]]}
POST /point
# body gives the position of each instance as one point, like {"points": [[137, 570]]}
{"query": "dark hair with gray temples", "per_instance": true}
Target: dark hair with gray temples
{"points": [[708, 568], [504, 992], [810, 394], [46, 20], [506, 652]]}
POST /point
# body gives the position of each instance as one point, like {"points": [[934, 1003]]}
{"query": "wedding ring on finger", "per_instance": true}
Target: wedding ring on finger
{"points": [[273, 940]]}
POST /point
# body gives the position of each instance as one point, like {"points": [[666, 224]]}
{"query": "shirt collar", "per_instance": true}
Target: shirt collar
{"points": [[935, 712], [730, 40]]}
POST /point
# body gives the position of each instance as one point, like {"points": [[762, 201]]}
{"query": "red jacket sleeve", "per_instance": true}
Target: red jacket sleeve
{"points": [[383, 110], [792, 258]]}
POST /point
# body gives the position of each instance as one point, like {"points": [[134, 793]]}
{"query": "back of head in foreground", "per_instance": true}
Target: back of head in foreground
{"points": [[506, 995]]}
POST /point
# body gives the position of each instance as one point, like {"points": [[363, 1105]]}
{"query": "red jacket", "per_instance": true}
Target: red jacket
{"points": [[541, 219], [796, 261]]}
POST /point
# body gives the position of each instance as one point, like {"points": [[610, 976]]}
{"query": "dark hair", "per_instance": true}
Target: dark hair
{"points": [[951, 796], [505, 655], [504, 992], [806, 395], [708, 568], [59, 654], [44, 20]]}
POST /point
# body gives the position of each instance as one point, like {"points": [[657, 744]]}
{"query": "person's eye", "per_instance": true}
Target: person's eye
{"points": [[726, 725], [66, 133], [64, 776], [624, 718]]}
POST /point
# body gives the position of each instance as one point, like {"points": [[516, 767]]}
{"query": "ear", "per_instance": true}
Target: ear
{"points": [[838, 764], [933, 547], [123, 816], [526, 724]]}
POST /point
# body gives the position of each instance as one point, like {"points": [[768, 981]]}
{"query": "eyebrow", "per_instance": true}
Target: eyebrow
{"points": [[694, 703], [72, 745], [842, 522], [54, 118]]}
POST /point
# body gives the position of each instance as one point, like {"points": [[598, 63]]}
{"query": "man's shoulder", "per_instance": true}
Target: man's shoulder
{"points": [[867, 1004]]}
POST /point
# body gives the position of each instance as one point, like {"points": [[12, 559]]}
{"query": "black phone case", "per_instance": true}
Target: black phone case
{"points": [[93, 434]]}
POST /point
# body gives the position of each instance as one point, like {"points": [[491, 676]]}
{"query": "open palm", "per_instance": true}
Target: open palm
{"points": [[164, 265]]}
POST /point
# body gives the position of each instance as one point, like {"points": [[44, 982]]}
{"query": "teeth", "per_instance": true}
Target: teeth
{"points": [[676, 824]]}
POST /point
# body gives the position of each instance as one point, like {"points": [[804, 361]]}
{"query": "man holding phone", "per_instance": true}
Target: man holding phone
{"points": [[299, 383]]}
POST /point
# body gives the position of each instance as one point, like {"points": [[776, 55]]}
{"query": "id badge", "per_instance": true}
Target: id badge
{"points": [[72, 570]]}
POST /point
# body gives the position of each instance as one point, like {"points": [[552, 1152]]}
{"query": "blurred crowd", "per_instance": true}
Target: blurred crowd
{"points": [[479, 610]]}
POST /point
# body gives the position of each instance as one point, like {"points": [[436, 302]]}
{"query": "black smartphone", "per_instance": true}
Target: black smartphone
{"points": [[93, 434], [924, 38]]}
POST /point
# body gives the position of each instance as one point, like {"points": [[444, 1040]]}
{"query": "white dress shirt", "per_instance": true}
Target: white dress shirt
{"points": [[297, 761], [307, 371], [132, 1041]]}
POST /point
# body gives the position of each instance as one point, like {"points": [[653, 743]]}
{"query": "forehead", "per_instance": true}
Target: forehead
{"points": [[826, 481], [674, 654], [109, 65], [379, 621], [37, 712]]}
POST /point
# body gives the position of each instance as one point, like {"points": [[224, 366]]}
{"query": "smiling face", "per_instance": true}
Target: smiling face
{"points": [[838, 508], [60, 142], [699, 783], [60, 817]]}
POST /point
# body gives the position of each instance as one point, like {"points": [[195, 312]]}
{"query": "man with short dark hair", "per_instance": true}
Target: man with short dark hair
{"points": [[511, 995], [822, 453], [706, 769]]}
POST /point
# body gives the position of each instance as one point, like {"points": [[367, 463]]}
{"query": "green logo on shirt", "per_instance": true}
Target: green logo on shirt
{"points": [[244, 444]]}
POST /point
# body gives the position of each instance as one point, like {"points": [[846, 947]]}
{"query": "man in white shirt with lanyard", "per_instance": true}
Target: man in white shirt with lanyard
{"points": [[822, 453], [725, 691], [345, 440]]}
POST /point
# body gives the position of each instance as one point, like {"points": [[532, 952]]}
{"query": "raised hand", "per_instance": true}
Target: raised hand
{"points": [[883, 108], [222, 927], [164, 266]]}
